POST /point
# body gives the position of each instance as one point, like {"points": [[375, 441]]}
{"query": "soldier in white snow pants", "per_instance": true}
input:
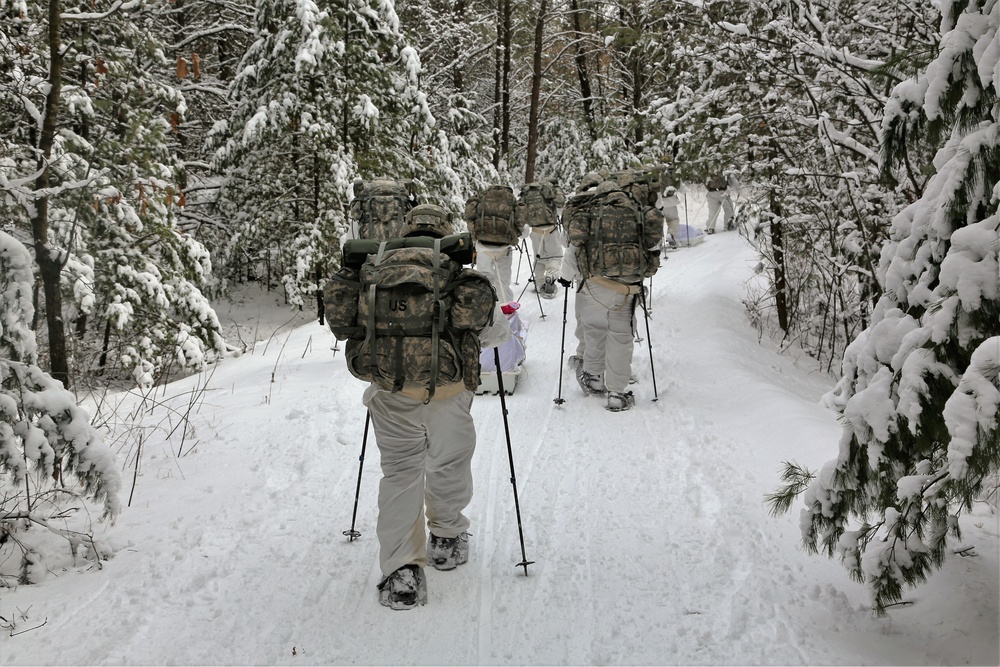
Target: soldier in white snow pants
{"points": [[426, 452], [496, 260], [607, 313], [547, 245]]}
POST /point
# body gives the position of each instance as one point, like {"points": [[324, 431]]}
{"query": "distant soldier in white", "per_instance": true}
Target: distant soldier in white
{"points": [[538, 209], [614, 236], [669, 205], [491, 217], [589, 181], [718, 185]]}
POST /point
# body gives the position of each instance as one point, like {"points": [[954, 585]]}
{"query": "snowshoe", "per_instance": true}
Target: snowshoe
{"points": [[618, 401], [405, 588], [548, 288], [592, 385], [447, 553]]}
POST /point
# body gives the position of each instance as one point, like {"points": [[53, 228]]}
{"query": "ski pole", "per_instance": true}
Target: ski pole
{"points": [[559, 400], [687, 222], [520, 256], [649, 341], [531, 268], [523, 249], [510, 459], [351, 534]]}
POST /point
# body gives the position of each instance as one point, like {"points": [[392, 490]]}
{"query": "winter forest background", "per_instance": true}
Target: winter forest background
{"points": [[156, 154]]}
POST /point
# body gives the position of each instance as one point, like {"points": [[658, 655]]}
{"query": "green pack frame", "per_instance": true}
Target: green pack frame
{"points": [[458, 247]]}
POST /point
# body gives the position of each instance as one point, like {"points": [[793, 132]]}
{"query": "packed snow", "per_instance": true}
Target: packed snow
{"points": [[650, 539]]}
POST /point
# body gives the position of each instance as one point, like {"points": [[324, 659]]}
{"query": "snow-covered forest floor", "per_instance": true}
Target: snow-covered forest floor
{"points": [[650, 538]]}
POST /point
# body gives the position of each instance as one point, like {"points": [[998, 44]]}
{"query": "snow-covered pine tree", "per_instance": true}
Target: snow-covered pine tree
{"points": [[638, 39], [51, 458], [204, 41], [131, 281], [795, 104], [323, 95], [920, 392], [455, 47]]}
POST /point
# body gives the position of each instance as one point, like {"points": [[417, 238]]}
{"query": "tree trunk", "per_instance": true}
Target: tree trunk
{"points": [[49, 260], [345, 111], [498, 87], [317, 165], [580, 58], [536, 89], [458, 76], [778, 244], [320, 306], [633, 21], [638, 83], [105, 345], [505, 85]]}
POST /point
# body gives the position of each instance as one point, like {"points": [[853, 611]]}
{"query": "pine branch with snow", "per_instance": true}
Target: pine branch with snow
{"points": [[920, 392], [51, 458]]}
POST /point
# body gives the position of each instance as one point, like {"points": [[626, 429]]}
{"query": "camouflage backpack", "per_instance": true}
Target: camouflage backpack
{"points": [[491, 216], [716, 182], [617, 235], [643, 183], [380, 207], [537, 204], [411, 315]]}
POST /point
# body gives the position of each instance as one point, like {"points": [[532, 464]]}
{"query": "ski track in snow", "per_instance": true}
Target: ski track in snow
{"points": [[651, 541]]}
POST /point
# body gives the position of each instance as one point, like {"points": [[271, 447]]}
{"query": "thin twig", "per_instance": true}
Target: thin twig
{"points": [[14, 634]]}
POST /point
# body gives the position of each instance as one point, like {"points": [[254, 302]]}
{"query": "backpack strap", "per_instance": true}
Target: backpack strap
{"points": [[370, 217], [438, 323], [398, 369], [370, 333], [597, 237]]}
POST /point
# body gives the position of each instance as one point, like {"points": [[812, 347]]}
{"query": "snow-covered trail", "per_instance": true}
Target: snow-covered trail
{"points": [[646, 530], [651, 541]]}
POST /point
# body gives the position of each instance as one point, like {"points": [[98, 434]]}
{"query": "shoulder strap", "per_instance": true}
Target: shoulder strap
{"points": [[372, 291], [435, 332]]}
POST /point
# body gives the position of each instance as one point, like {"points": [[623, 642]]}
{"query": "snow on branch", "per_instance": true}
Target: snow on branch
{"points": [[208, 32], [972, 410], [117, 6]]}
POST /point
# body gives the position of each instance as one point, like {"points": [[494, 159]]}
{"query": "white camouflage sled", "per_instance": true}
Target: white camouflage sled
{"points": [[688, 236], [511, 357]]}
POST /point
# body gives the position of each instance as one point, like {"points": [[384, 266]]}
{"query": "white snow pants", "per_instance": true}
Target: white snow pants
{"points": [[607, 318], [673, 221], [426, 452], [548, 252], [578, 330], [719, 199], [497, 260]]}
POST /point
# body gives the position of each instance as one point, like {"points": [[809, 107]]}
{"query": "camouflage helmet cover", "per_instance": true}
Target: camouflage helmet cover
{"points": [[427, 220]]}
